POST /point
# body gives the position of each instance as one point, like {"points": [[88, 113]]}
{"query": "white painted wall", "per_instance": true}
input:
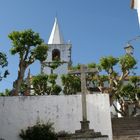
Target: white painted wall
{"points": [[17, 113]]}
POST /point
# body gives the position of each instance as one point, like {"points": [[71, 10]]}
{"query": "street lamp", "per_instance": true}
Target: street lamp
{"points": [[129, 49]]}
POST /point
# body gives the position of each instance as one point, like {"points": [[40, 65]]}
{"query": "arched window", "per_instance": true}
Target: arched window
{"points": [[56, 54]]}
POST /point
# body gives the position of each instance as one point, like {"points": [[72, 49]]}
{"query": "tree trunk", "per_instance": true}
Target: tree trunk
{"points": [[20, 77]]}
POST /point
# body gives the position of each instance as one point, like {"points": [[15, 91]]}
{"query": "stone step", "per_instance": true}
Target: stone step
{"points": [[128, 124], [122, 120], [126, 119], [128, 132], [126, 127], [128, 137], [124, 123], [132, 122], [132, 129]]}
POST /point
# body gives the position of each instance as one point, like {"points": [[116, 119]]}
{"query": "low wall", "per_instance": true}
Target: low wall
{"points": [[17, 113]]}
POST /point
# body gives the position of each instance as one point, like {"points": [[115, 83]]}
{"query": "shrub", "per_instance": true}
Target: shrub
{"points": [[63, 134], [39, 132]]}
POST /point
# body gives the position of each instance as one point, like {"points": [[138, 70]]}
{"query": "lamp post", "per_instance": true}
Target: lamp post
{"points": [[129, 49]]}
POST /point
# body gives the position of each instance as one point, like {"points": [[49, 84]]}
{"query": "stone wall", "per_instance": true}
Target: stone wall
{"points": [[17, 113]]}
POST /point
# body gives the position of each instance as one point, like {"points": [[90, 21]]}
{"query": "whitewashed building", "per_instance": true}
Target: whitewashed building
{"points": [[58, 50]]}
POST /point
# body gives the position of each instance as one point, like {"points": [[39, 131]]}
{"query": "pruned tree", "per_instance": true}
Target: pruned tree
{"points": [[113, 75], [71, 83], [115, 78], [46, 84], [30, 47], [129, 95]]}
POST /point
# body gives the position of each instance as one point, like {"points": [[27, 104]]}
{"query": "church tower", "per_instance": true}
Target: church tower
{"points": [[57, 49]]}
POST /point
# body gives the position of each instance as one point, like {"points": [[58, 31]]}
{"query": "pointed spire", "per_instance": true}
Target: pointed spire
{"points": [[56, 36]]}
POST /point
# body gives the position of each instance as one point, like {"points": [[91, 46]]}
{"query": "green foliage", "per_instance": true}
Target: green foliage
{"points": [[55, 89], [3, 60], [52, 78], [138, 94], [115, 79], [128, 92], [29, 46], [22, 40], [3, 64], [92, 65], [55, 64], [107, 63], [46, 84], [99, 80], [40, 84], [5, 93], [135, 80], [39, 132], [40, 52], [23, 87], [131, 91], [71, 83], [77, 67], [127, 62]]}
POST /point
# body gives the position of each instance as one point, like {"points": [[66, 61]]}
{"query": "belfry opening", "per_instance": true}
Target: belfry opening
{"points": [[55, 55]]}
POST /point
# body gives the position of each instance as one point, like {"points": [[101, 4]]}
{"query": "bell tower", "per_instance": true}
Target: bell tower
{"points": [[57, 50]]}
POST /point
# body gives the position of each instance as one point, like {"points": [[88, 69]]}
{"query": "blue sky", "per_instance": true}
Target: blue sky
{"points": [[96, 28]]}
